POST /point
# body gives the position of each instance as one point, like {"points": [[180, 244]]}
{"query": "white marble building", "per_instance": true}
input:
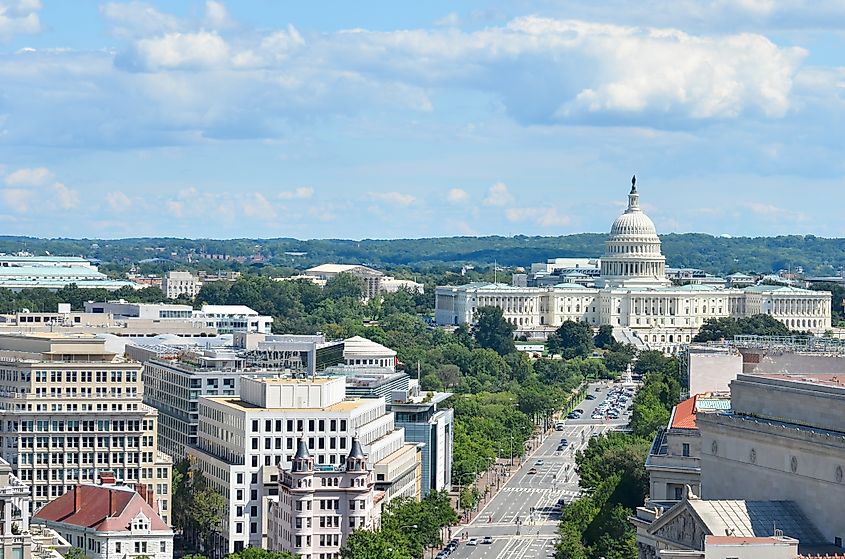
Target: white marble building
{"points": [[634, 296]]}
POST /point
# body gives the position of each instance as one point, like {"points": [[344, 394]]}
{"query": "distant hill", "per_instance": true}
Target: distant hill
{"points": [[718, 255]]}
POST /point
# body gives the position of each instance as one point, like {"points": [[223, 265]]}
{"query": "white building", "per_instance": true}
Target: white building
{"points": [[389, 284], [54, 273], [222, 319], [634, 296], [175, 284], [70, 410], [318, 508], [244, 440], [108, 521], [358, 351]]}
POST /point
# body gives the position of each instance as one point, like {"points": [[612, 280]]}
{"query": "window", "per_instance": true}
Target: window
{"points": [[162, 547], [685, 449], [679, 493], [140, 547]]}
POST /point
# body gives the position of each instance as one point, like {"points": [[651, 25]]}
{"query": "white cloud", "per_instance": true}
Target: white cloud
{"points": [[193, 51], [498, 195], [457, 195], [19, 17], [66, 198], [118, 201], [452, 19], [136, 19], [175, 207], [773, 212], [545, 217], [394, 198], [216, 14], [29, 177], [299, 193], [258, 206], [17, 199]]}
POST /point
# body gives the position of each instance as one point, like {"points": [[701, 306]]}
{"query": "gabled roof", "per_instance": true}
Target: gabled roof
{"points": [[103, 508], [683, 416]]}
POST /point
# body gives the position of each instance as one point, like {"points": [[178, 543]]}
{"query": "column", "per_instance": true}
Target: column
{"points": [[7, 518]]}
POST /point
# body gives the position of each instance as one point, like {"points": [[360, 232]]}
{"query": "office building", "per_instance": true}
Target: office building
{"points": [[634, 295], [306, 354], [71, 410], [176, 377], [108, 521], [243, 441], [318, 507], [177, 284], [221, 319]]}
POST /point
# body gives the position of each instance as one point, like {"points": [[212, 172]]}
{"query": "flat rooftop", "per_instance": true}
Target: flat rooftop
{"points": [[823, 379], [343, 406]]}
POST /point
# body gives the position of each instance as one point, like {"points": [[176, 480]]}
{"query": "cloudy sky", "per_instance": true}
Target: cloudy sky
{"points": [[406, 119]]}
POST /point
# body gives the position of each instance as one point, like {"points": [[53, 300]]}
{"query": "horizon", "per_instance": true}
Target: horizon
{"points": [[223, 120]]}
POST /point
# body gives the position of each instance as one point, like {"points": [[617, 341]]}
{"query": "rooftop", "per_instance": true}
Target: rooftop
{"points": [[105, 508], [348, 404], [683, 416]]}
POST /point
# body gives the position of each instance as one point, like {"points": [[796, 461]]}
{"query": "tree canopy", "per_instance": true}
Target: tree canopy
{"points": [[492, 331]]}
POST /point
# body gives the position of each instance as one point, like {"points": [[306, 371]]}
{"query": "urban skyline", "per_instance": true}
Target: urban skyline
{"points": [[214, 119]]}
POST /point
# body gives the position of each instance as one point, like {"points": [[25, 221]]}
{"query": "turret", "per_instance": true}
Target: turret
{"points": [[302, 461], [356, 461]]}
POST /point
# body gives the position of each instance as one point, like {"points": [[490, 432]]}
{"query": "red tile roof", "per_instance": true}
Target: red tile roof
{"points": [[683, 416], [104, 508]]}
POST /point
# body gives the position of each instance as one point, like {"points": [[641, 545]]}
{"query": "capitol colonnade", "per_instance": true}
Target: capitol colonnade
{"points": [[634, 296]]}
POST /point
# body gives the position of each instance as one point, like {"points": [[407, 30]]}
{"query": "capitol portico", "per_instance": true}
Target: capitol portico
{"points": [[634, 296]]}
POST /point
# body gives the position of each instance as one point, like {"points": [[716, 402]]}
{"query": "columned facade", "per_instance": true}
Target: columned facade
{"points": [[634, 295]]}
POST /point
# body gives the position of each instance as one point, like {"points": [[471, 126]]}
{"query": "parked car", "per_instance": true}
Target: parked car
{"points": [[487, 539], [532, 471], [472, 541], [539, 462], [590, 397]]}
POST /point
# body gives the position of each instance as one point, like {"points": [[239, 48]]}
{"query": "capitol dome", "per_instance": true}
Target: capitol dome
{"points": [[632, 252]]}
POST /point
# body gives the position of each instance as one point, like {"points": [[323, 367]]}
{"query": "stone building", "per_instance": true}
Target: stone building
{"points": [[634, 296], [318, 507]]}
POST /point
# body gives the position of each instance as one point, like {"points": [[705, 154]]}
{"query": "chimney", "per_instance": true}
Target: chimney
{"points": [[77, 498], [112, 504], [141, 489]]}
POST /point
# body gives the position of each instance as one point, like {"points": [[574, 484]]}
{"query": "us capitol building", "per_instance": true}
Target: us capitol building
{"points": [[634, 296]]}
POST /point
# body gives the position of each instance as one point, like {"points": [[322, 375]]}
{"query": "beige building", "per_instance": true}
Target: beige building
{"points": [[175, 284], [785, 440], [71, 410], [634, 296], [371, 278], [244, 440], [673, 463]]}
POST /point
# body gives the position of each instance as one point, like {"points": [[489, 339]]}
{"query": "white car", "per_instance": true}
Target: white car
{"points": [[473, 541]]}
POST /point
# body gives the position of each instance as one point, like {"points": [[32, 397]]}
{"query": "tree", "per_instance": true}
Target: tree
{"points": [[492, 331], [574, 339], [604, 339], [374, 544], [344, 285], [259, 553], [715, 329], [206, 512], [75, 553]]}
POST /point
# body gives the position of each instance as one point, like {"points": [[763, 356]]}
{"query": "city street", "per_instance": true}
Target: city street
{"points": [[520, 518]]}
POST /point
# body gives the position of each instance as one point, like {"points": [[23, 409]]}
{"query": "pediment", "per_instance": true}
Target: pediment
{"points": [[683, 530]]}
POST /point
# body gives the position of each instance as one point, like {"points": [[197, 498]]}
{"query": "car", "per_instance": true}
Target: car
{"points": [[590, 397], [579, 410], [573, 415], [564, 442], [598, 388], [472, 541], [560, 448], [539, 462], [597, 416], [443, 554], [532, 471], [487, 539]]}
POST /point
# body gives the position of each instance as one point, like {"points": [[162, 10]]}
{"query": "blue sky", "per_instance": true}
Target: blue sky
{"points": [[267, 118]]}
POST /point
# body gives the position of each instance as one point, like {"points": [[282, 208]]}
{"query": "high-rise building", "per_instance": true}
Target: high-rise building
{"points": [[243, 441], [318, 507], [71, 410]]}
